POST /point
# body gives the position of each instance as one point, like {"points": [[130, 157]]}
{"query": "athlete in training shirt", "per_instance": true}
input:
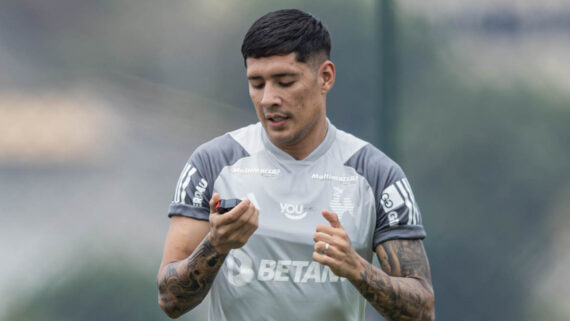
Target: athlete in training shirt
{"points": [[317, 202]]}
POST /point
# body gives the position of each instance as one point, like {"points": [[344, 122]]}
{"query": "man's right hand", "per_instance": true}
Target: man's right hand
{"points": [[231, 230]]}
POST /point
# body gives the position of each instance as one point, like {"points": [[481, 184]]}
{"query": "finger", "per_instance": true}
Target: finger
{"points": [[332, 251], [332, 218], [324, 259], [252, 224], [235, 228], [234, 214], [213, 201], [320, 247], [246, 226], [254, 219], [246, 219], [323, 237], [327, 229]]}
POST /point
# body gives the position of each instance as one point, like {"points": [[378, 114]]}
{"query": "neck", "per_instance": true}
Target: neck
{"points": [[300, 150]]}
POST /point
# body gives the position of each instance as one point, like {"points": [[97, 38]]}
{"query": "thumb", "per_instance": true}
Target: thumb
{"points": [[213, 201], [332, 218]]}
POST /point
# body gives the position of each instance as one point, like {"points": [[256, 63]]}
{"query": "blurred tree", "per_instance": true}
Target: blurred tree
{"points": [[486, 164], [388, 54], [100, 288]]}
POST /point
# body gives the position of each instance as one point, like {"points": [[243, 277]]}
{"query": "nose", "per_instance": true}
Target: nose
{"points": [[270, 96]]}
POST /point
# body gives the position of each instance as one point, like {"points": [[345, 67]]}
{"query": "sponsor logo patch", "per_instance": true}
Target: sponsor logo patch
{"points": [[396, 196], [335, 178], [242, 270], [267, 172], [294, 211], [390, 199]]}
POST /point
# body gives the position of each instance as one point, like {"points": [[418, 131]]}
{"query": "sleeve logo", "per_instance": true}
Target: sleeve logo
{"points": [[199, 193], [184, 182], [396, 196], [393, 218], [391, 199]]}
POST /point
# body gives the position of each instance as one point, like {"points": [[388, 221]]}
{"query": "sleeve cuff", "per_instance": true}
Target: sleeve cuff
{"points": [[179, 209], [401, 233]]}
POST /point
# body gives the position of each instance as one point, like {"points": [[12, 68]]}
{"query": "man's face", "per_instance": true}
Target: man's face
{"points": [[288, 97]]}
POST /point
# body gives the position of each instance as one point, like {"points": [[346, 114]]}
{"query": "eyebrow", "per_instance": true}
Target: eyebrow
{"points": [[279, 75]]}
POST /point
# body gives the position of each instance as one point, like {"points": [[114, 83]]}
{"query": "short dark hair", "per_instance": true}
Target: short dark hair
{"points": [[285, 31]]}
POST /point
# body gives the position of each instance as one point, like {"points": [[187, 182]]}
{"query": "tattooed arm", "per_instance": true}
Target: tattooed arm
{"points": [[183, 285], [402, 290], [195, 250]]}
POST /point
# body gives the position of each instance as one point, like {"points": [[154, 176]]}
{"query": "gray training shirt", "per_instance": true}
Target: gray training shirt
{"points": [[273, 277]]}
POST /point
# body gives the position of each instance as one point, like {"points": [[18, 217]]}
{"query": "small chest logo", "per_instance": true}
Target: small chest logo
{"points": [[266, 172], [341, 204], [293, 211]]}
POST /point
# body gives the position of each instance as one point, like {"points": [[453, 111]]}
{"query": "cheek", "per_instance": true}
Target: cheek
{"points": [[254, 96], [257, 105], [307, 101], [301, 99]]}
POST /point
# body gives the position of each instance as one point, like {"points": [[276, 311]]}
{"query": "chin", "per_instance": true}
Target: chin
{"points": [[280, 138]]}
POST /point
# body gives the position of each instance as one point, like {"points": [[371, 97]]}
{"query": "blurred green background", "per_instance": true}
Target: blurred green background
{"points": [[101, 103]]}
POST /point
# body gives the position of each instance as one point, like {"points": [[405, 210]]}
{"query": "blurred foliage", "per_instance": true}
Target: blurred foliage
{"points": [[192, 46], [98, 288], [486, 164]]}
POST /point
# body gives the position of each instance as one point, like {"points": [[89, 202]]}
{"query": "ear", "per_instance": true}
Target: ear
{"points": [[327, 75]]}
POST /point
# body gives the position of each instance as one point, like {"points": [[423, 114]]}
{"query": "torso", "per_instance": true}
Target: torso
{"points": [[273, 277]]}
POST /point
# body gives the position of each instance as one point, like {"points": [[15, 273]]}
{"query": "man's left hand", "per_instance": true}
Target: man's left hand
{"points": [[338, 255]]}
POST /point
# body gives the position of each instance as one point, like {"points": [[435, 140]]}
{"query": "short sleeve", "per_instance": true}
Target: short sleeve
{"points": [[193, 191], [195, 185], [397, 213]]}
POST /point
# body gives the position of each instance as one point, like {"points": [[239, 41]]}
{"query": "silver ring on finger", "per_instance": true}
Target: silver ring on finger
{"points": [[327, 246]]}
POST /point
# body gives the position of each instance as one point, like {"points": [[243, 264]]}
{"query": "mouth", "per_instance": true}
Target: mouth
{"points": [[276, 119]]}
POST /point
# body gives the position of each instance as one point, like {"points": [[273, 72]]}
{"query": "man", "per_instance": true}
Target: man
{"points": [[316, 202]]}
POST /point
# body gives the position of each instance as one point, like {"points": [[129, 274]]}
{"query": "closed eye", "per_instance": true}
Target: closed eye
{"points": [[286, 84]]}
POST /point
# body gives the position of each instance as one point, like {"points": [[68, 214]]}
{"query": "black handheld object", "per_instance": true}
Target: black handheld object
{"points": [[224, 206]]}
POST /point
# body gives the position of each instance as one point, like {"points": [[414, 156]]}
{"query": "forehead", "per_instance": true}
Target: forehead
{"points": [[274, 65]]}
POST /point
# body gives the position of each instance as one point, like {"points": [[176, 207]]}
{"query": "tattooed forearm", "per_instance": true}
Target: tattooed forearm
{"points": [[402, 290], [184, 284]]}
